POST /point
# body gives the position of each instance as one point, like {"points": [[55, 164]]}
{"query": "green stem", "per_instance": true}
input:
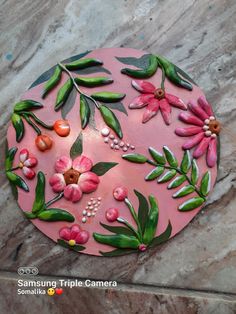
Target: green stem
{"points": [[37, 120], [134, 215], [12, 169], [125, 222], [180, 172], [37, 130], [56, 198], [163, 77], [76, 85]]}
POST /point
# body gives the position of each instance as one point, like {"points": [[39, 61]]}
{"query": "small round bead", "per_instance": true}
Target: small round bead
{"points": [[91, 207], [99, 202], [106, 140], [93, 214], [117, 147], [84, 219], [211, 118], [127, 144], [84, 212], [207, 121], [91, 199], [94, 202], [132, 147], [89, 214], [125, 149], [122, 144], [87, 207], [112, 146], [205, 128], [115, 141], [213, 135], [89, 203], [99, 198], [95, 209], [112, 137], [105, 132], [208, 133]]}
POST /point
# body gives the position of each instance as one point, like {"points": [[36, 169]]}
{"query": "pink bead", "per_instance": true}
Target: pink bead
{"points": [[112, 214]]}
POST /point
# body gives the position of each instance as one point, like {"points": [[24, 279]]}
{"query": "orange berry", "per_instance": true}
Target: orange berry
{"points": [[43, 142], [62, 127]]}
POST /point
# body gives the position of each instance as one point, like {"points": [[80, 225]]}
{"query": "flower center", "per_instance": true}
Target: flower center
{"points": [[71, 176], [159, 93], [214, 126], [21, 165], [72, 242]]}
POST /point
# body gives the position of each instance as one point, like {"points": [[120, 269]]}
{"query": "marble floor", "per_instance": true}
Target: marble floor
{"points": [[196, 271]]}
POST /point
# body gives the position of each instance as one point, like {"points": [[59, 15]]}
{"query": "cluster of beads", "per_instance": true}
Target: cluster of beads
{"points": [[91, 209], [114, 142], [211, 127]]}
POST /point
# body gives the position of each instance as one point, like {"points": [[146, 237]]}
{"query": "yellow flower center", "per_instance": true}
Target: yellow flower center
{"points": [[72, 242]]}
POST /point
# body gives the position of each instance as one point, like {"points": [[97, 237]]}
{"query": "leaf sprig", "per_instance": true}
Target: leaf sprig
{"points": [[128, 239], [168, 169]]}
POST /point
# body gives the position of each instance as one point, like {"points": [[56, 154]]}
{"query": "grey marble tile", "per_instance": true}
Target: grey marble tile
{"points": [[197, 35]]}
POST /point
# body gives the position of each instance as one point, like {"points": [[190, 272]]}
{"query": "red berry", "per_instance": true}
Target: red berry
{"points": [[62, 127], [120, 193], [112, 214], [43, 142]]}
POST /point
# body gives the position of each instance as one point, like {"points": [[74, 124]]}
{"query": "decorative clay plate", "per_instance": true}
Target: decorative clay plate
{"points": [[112, 151]]}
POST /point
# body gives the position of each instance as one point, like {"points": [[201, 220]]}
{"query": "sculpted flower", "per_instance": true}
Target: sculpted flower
{"points": [[74, 177], [204, 130], [154, 99], [27, 162], [74, 235]]}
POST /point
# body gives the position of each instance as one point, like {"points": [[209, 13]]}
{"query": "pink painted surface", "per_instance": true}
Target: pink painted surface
{"points": [[155, 133]]}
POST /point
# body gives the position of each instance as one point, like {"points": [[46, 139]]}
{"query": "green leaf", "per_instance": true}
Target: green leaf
{"points": [[170, 157], [102, 167], [137, 158], [191, 204], [53, 81], [185, 190], [162, 237], [18, 125], [63, 94], [117, 106], [195, 172], [77, 147], [186, 162], [76, 247], [167, 176], [143, 210], [10, 157], [205, 185], [117, 229], [17, 181], [14, 191], [118, 240], [91, 70], [117, 252], [155, 173], [27, 104], [30, 215], [93, 81], [39, 201], [108, 96], [184, 75], [152, 221], [55, 214], [84, 111], [111, 120], [176, 182], [69, 104], [146, 72], [141, 62], [158, 157]]}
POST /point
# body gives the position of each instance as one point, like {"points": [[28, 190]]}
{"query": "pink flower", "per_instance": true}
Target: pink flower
{"points": [[120, 193], [74, 235], [112, 214], [74, 177], [205, 129], [26, 163], [155, 99]]}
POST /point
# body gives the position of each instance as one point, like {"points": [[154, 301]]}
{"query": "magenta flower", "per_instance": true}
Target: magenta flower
{"points": [[155, 99], [27, 162], [74, 235], [74, 177], [205, 130]]}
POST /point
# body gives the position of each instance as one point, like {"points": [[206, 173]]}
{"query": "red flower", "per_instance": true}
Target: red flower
{"points": [[205, 130], [154, 99], [26, 163], [74, 235]]}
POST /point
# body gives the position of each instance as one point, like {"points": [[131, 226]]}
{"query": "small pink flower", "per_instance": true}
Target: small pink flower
{"points": [[112, 214], [74, 177], [120, 193], [74, 235], [155, 99], [142, 247], [26, 163], [205, 130]]}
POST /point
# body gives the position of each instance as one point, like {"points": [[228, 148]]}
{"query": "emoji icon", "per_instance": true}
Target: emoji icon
{"points": [[51, 291], [59, 291]]}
